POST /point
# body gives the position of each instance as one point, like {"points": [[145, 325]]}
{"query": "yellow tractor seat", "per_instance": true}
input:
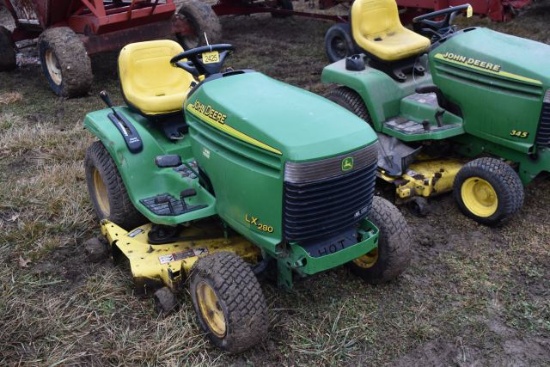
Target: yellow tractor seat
{"points": [[377, 29], [150, 84]]}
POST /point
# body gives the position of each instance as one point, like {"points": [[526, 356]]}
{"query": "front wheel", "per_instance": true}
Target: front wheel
{"points": [[393, 255], [488, 190], [229, 302], [65, 62]]}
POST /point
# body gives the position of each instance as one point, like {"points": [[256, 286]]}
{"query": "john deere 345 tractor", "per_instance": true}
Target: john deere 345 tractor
{"points": [[439, 98], [209, 177]]}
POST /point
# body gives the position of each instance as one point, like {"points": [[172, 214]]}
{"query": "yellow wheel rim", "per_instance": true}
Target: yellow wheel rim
{"points": [[101, 195], [53, 67], [479, 197], [210, 309], [368, 260]]}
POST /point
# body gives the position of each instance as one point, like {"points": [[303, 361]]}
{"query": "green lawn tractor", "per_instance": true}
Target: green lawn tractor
{"points": [[210, 176], [462, 110]]}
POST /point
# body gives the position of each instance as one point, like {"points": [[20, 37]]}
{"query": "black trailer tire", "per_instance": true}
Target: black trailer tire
{"points": [[203, 20], [393, 254], [107, 191], [65, 62], [7, 50], [229, 302], [284, 5], [338, 42], [488, 190], [350, 100], [165, 301]]}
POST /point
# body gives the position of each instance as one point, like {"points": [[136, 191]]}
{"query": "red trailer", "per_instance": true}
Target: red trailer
{"points": [[68, 31]]}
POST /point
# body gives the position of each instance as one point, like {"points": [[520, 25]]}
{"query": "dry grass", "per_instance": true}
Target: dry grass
{"points": [[473, 295]]}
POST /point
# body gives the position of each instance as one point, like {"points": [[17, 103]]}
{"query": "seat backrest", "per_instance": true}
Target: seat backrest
{"points": [[149, 82], [374, 18], [377, 29]]}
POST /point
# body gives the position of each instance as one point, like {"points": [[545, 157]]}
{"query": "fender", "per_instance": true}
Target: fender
{"points": [[141, 176], [385, 101]]}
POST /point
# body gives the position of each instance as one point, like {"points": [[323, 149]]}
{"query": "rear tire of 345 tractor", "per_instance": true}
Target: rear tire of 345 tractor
{"points": [[393, 255], [488, 190], [229, 302], [107, 192], [65, 62], [351, 101]]}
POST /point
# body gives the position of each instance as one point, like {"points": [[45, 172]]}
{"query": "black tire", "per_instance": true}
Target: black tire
{"points": [[65, 62], [165, 301], [393, 254], [350, 100], [107, 191], [338, 42], [488, 190], [419, 206], [284, 5], [7, 50], [203, 21], [229, 302], [96, 249]]}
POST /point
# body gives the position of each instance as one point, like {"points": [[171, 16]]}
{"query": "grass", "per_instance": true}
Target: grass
{"points": [[472, 296]]}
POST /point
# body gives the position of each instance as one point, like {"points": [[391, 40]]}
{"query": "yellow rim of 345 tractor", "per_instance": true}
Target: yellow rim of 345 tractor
{"points": [[368, 260], [210, 309], [102, 197], [479, 197]]}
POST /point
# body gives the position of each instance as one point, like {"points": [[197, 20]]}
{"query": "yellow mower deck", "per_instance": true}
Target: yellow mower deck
{"points": [[425, 178], [155, 265]]}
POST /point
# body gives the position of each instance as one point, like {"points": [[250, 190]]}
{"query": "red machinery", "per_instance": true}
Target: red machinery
{"points": [[69, 31], [497, 10]]}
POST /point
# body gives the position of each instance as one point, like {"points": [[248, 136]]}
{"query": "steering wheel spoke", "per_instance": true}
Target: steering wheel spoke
{"points": [[427, 24]]}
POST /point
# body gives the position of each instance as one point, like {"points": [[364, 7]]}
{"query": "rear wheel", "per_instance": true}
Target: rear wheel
{"points": [[7, 50], [107, 192], [338, 42], [203, 21], [229, 302], [488, 190], [65, 62], [392, 256], [351, 101]]}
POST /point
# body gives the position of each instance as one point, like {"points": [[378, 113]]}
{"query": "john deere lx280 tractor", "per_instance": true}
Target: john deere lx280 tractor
{"points": [[209, 177], [467, 110]]}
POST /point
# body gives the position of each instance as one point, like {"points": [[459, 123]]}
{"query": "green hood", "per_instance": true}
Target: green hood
{"points": [[278, 117], [510, 57]]}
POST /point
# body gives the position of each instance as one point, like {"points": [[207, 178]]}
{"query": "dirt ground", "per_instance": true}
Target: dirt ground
{"points": [[473, 295]]}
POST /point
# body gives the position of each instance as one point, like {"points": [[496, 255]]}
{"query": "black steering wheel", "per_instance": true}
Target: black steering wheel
{"points": [[438, 29], [203, 60]]}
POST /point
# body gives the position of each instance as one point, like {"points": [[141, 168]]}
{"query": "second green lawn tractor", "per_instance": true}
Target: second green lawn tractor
{"points": [[462, 110], [211, 176]]}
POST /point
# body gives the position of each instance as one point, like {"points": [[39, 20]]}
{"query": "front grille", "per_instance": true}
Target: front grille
{"points": [[543, 133], [320, 198]]}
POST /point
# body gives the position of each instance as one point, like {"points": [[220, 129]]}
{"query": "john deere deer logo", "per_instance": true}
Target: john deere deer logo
{"points": [[347, 164]]}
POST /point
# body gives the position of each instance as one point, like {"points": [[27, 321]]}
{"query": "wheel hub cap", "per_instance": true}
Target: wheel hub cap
{"points": [[52, 64], [211, 310], [479, 197]]}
